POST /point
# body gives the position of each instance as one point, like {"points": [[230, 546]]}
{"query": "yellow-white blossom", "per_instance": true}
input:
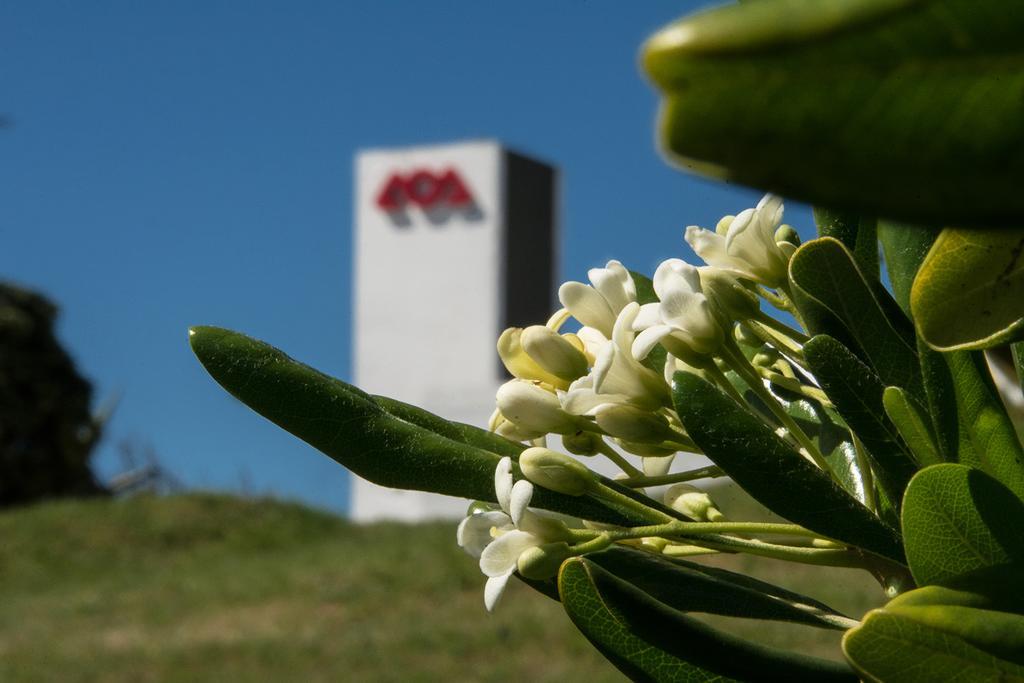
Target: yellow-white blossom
{"points": [[745, 244]]}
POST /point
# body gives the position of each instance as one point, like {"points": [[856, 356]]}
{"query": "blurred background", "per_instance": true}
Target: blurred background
{"points": [[164, 165]]}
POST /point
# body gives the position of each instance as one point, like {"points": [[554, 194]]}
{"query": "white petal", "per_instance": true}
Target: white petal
{"points": [[593, 341], [602, 366], [500, 556], [622, 335], [493, 589], [771, 209], [648, 339], [474, 532], [503, 482], [587, 306], [682, 309], [656, 467], [709, 245], [614, 284], [522, 492], [648, 315]]}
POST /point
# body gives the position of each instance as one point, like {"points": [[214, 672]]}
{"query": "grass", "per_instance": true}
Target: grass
{"points": [[203, 587]]}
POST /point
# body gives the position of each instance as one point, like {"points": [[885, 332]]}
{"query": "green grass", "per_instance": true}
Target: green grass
{"points": [[203, 587]]}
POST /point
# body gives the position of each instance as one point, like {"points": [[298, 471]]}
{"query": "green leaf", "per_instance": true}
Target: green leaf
{"points": [[835, 298], [996, 588], [904, 247], [632, 655], [857, 395], [857, 234], [663, 644], [969, 292], [998, 633], [995, 447], [957, 519], [352, 428], [691, 587], [951, 435], [906, 109], [773, 472], [826, 429], [1018, 362], [912, 425], [892, 647], [456, 431]]}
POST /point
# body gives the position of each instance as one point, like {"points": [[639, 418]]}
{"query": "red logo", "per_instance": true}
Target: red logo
{"points": [[425, 189]]}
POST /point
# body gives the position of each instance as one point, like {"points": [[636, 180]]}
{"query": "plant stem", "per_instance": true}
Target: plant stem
{"points": [[678, 477], [781, 328], [619, 460], [738, 362], [609, 494], [715, 528]]}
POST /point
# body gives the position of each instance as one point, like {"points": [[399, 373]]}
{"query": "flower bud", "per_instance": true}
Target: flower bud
{"points": [[725, 292], [745, 336], [502, 427], [553, 352], [518, 362], [556, 471], [532, 408], [646, 450], [582, 443], [542, 561], [693, 503], [788, 234], [627, 422]]}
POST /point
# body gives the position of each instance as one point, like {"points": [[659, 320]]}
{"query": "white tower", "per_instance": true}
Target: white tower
{"points": [[453, 243]]}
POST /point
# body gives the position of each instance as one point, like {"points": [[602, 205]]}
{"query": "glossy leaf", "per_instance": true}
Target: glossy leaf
{"points": [[835, 298], [619, 617], [957, 519], [857, 234], [995, 446], [829, 433], [998, 633], [691, 587], [856, 391], [969, 291], [350, 427], [912, 424], [456, 431], [773, 472], [892, 647], [907, 109], [606, 630]]}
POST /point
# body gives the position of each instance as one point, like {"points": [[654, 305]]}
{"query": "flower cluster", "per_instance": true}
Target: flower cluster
{"points": [[605, 388]]}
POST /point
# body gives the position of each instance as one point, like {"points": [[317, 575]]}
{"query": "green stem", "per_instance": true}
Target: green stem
{"points": [[714, 528], [738, 362], [609, 494], [781, 342], [781, 328], [793, 384], [619, 460], [817, 556], [678, 477], [723, 382]]}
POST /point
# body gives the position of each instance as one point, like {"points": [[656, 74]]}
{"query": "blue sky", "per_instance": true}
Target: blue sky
{"points": [[189, 163]]}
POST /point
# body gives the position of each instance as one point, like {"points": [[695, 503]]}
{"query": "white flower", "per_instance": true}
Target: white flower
{"points": [[534, 409], [617, 377], [682, 315], [598, 306], [499, 538], [745, 244]]}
